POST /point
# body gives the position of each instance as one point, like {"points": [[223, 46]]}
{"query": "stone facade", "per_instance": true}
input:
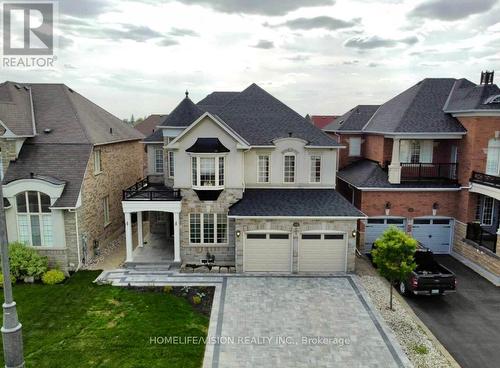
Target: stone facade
{"points": [[245, 225], [193, 253], [7, 151]]}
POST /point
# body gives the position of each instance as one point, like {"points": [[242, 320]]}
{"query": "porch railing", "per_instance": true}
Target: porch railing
{"points": [[481, 236], [485, 179], [429, 172], [143, 190]]}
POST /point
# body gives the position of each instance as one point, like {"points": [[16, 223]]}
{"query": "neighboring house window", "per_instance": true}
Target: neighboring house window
{"points": [[105, 210], [208, 171], [171, 164], [159, 160], [263, 169], [493, 158], [208, 228], [488, 208], [97, 162], [289, 168], [416, 151], [315, 169], [355, 146], [34, 219]]}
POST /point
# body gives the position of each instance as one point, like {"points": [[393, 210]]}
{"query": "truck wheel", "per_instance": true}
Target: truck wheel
{"points": [[403, 290]]}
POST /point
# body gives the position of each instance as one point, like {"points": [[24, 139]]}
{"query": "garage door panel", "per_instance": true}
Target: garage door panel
{"points": [[375, 227], [434, 234], [323, 254], [267, 254]]}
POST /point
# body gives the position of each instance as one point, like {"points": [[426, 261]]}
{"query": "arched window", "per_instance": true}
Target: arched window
{"points": [[34, 220]]}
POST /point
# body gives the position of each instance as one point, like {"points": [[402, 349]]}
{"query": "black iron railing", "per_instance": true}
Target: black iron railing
{"points": [[429, 172], [482, 237], [143, 190], [485, 179]]}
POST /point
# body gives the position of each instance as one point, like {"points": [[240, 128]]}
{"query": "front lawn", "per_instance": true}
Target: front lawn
{"points": [[80, 324]]}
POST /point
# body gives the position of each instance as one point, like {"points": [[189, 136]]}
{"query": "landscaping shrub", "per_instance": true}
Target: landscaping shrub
{"points": [[26, 262], [196, 299], [53, 277], [168, 289], [12, 279]]}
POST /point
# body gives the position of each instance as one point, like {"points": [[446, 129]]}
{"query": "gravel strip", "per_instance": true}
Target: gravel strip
{"points": [[417, 345]]}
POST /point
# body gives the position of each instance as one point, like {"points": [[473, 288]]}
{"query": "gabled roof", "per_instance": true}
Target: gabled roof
{"points": [[15, 109], [467, 96], [70, 117], [293, 203], [64, 162], [320, 121], [253, 114], [149, 125], [354, 120], [419, 109]]}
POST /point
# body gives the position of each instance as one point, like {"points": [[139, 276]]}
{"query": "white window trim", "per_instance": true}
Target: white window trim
{"points": [[198, 185], [202, 231], [294, 168], [358, 154], [171, 168], [492, 211], [156, 150], [40, 216], [311, 169], [106, 211], [268, 166], [97, 168]]}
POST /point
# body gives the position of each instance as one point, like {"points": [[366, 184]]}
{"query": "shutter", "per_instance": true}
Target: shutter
{"points": [[404, 151], [426, 148]]}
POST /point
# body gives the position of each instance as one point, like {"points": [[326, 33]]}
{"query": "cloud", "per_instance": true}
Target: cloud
{"points": [[350, 62], [299, 58], [261, 7], [264, 44], [374, 42], [132, 32], [166, 42], [181, 32], [450, 10], [373, 65], [324, 22], [84, 9]]}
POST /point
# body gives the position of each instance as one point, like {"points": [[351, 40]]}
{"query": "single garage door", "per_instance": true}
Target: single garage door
{"points": [[322, 253], [434, 234], [267, 252], [376, 226]]}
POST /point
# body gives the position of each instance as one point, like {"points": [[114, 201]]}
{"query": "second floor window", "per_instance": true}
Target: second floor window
{"points": [[355, 146], [416, 151], [97, 162], [289, 168], [208, 171], [263, 169], [315, 169], [171, 164], [159, 160], [493, 158]]}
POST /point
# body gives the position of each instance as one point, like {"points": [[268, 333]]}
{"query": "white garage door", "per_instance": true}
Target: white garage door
{"points": [[376, 226], [434, 234], [322, 252], [267, 252]]}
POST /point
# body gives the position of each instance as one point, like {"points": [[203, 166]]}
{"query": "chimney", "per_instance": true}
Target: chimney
{"points": [[487, 77]]}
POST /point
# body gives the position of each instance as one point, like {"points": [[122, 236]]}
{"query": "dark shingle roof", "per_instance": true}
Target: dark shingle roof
{"points": [[368, 174], [148, 126], [466, 96], [353, 120], [15, 108], [183, 115], [216, 100], [64, 162], [293, 202], [419, 109]]}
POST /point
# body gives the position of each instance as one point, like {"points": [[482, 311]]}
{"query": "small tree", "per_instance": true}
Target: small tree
{"points": [[393, 256]]}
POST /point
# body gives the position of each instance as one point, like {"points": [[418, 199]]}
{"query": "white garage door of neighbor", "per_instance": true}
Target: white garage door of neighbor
{"points": [[267, 252], [434, 234], [322, 252], [375, 227]]}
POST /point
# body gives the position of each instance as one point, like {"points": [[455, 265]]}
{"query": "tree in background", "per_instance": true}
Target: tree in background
{"points": [[394, 256]]}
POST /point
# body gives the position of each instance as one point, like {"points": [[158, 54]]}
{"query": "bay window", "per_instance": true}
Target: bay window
{"points": [[208, 172], [34, 220], [289, 168], [207, 228]]}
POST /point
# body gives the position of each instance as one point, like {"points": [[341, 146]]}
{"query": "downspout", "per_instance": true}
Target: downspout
{"points": [[77, 239]]}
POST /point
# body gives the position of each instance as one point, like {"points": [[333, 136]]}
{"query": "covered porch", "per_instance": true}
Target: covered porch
{"points": [[158, 201]]}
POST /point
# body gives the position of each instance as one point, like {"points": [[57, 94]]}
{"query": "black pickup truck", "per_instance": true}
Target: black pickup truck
{"points": [[429, 277]]}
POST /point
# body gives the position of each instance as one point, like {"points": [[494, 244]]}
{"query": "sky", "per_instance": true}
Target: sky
{"points": [[318, 56]]}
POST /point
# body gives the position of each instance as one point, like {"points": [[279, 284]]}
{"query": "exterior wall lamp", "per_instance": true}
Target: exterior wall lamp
{"points": [[435, 207], [238, 233], [387, 208], [354, 233]]}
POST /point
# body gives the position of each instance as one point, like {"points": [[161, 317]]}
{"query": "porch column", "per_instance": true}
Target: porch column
{"points": [[140, 237], [177, 239], [395, 166], [128, 237]]}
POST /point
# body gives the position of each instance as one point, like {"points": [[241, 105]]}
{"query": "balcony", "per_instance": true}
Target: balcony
{"points": [[430, 172], [143, 190], [482, 237], [485, 179]]}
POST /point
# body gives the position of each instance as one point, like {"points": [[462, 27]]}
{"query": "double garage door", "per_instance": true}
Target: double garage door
{"points": [[432, 233], [317, 252]]}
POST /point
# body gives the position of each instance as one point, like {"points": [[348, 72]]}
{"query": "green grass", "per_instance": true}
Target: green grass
{"points": [[80, 324], [420, 349]]}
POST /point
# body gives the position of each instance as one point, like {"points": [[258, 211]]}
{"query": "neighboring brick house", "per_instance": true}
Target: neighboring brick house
{"points": [[241, 177], [150, 124], [428, 161], [66, 162], [320, 121]]}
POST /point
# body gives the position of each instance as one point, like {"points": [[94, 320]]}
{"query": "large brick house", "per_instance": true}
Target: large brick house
{"points": [[241, 177], [428, 161], [65, 162]]}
